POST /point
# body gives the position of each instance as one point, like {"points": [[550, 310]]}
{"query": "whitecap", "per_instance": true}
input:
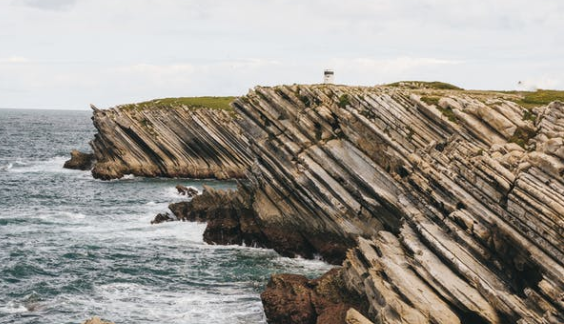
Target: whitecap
{"points": [[6, 167], [13, 308], [72, 215], [52, 165]]}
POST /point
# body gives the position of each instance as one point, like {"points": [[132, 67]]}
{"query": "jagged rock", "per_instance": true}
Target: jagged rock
{"points": [[354, 317], [163, 217], [168, 142], [454, 209], [229, 217], [294, 299], [96, 320], [187, 191], [79, 161], [460, 224], [231, 220]]}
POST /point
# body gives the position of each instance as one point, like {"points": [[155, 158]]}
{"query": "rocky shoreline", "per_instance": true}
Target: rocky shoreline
{"points": [[443, 206]]}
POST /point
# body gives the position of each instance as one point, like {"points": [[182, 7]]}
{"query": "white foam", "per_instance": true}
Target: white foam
{"points": [[72, 215], [13, 308], [6, 167], [52, 165]]}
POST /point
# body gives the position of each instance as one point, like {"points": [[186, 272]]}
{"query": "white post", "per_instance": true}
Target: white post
{"points": [[329, 77]]}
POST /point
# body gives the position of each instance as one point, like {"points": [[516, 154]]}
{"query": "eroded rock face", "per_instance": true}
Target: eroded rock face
{"points": [[458, 205], [231, 219], [294, 299], [168, 142], [80, 161]]}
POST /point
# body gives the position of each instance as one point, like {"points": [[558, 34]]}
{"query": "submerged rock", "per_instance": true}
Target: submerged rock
{"points": [[80, 161], [96, 320]]}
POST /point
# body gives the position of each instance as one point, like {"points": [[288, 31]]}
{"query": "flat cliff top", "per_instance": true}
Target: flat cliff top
{"points": [[219, 103]]}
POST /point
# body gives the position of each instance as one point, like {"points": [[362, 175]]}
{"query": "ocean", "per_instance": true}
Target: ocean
{"points": [[72, 247]]}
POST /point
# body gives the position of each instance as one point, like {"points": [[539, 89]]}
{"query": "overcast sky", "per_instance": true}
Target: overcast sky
{"points": [[65, 54]]}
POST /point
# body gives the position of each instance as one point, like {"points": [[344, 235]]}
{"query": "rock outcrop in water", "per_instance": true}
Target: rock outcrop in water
{"points": [[455, 198], [168, 141], [80, 161]]}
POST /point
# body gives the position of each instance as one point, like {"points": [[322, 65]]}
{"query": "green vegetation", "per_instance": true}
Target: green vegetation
{"points": [[425, 85], [447, 112], [522, 136], [220, 103], [344, 101], [431, 100], [529, 115], [540, 98]]}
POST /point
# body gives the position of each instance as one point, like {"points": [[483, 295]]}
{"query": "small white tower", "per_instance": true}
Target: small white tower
{"points": [[328, 77]]}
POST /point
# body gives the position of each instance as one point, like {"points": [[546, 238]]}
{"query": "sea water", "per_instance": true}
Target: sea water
{"points": [[72, 247]]}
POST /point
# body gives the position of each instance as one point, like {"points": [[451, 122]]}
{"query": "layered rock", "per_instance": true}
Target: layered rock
{"points": [[452, 201], [457, 202], [168, 141]]}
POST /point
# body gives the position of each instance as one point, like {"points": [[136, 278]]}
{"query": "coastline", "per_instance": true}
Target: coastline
{"points": [[438, 187]]}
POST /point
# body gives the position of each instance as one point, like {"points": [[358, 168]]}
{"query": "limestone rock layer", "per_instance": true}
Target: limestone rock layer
{"points": [[455, 205], [168, 142]]}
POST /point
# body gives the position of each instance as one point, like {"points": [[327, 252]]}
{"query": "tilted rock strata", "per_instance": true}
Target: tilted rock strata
{"points": [[168, 142], [457, 223]]}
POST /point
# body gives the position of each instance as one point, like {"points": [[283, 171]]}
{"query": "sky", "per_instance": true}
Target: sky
{"points": [[66, 54]]}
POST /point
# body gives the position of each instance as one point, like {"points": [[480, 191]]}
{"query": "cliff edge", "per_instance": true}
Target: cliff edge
{"points": [[179, 137]]}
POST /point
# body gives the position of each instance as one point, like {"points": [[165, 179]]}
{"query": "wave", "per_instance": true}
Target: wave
{"points": [[52, 165], [6, 167], [13, 308]]}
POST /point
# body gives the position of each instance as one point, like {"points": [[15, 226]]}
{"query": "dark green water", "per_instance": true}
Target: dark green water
{"points": [[72, 247]]}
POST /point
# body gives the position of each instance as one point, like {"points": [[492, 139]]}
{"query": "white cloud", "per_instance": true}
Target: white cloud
{"points": [[13, 59], [47, 4], [72, 52]]}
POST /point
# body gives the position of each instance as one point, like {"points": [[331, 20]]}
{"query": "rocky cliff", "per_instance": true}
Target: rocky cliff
{"points": [[444, 206], [453, 199], [168, 140]]}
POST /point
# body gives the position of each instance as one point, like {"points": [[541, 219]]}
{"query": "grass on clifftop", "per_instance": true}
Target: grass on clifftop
{"points": [[540, 98], [220, 103], [424, 84]]}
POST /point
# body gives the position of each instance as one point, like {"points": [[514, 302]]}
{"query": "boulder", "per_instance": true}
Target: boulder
{"points": [[294, 299], [80, 161], [187, 191], [163, 217]]}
